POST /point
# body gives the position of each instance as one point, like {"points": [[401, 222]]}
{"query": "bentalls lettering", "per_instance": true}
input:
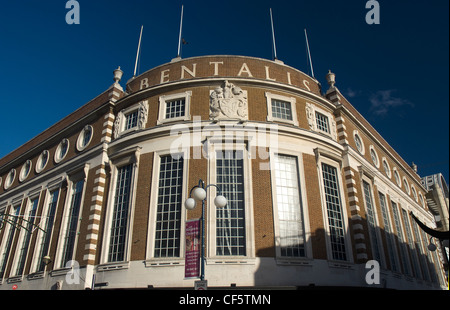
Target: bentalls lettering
{"points": [[215, 70]]}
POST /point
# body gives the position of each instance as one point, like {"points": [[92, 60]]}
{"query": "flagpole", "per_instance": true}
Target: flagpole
{"points": [[309, 54], [273, 35], [181, 30], [138, 50]]}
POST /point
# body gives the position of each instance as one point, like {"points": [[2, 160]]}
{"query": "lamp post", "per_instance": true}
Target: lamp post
{"points": [[198, 193]]}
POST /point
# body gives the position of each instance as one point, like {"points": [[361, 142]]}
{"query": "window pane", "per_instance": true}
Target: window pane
{"points": [[45, 241], [322, 122], [131, 120], [290, 214], [335, 218], [26, 240], [370, 213], [12, 229], [281, 109], [230, 220], [413, 253], [71, 230], [175, 108], [403, 254], [389, 235], [119, 223], [168, 215]]}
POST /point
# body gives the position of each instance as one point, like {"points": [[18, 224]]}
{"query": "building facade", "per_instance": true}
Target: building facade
{"points": [[437, 199], [313, 191]]}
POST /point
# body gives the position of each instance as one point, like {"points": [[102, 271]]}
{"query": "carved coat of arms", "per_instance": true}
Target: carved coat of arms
{"points": [[228, 102]]}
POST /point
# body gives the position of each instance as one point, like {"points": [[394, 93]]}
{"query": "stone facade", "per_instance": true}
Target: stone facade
{"points": [[109, 221]]}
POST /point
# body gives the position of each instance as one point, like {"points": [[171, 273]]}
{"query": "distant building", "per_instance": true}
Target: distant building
{"points": [[437, 199], [314, 192], [438, 202]]}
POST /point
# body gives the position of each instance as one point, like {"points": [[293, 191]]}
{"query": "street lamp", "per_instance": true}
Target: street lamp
{"points": [[198, 193], [431, 246]]}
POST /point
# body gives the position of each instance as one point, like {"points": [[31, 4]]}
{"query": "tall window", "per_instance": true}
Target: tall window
{"points": [[168, 215], [230, 220], [403, 253], [49, 220], [415, 262], [9, 240], [119, 226], [429, 259], [422, 260], [72, 224], [26, 240], [289, 207], [370, 213], [389, 235], [334, 212]]}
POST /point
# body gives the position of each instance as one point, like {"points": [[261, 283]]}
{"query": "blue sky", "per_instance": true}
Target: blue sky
{"points": [[395, 73]]}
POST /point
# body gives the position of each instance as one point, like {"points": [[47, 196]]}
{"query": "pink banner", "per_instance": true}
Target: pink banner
{"points": [[192, 256]]}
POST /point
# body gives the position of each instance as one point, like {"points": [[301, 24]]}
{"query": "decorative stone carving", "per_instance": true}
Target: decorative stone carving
{"points": [[310, 116], [142, 114], [117, 123], [228, 102]]}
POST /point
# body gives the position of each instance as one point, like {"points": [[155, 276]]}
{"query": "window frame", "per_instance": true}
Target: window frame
{"points": [[386, 167], [322, 158], [163, 106], [23, 175], [374, 233], [407, 186], [414, 193], [118, 206], [23, 233], [391, 245], [374, 152], [398, 179], [213, 146], [52, 188], [401, 239], [413, 254], [117, 161], [151, 260], [73, 177], [81, 143], [7, 243], [10, 178], [304, 204], [58, 156], [356, 137], [291, 100], [40, 165]]}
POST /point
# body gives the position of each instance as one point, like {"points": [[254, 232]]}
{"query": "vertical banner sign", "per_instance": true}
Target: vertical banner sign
{"points": [[192, 255]]}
